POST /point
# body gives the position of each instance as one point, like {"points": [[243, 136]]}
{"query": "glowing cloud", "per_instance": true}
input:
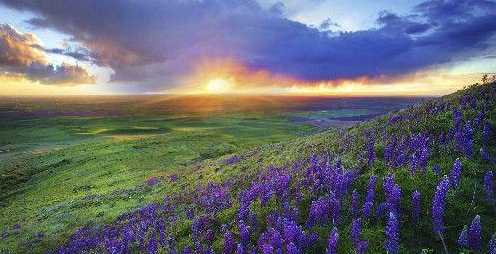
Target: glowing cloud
{"points": [[229, 76], [21, 56]]}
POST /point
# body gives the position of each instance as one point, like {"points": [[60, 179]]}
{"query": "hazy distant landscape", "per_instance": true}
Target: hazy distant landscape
{"points": [[54, 122], [247, 126]]}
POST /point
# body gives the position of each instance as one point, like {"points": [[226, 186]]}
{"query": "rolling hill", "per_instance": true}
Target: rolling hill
{"points": [[418, 180]]}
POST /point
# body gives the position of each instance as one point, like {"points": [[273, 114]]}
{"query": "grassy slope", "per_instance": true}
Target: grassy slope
{"points": [[458, 212], [461, 206], [106, 175]]}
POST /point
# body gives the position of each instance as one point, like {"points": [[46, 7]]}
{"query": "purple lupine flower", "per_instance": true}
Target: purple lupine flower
{"points": [[291, 231], [438, 205], [232, 160], [229, 244], [362, 247], [367, 208], [356, 228], [457, 116], [275, 238], [388, 182], [186, 250], [463, 238], [416, 207], [267, 249], [392, 234], [393, 196], [190, 213], [493, 251], [152, 245], [292, 249], [240, 249], [335, 206], [4, 234], [489, 187], [354, 205], [370, 196], [487, 157], [355, 231], [244, 233], [437, 169], [332, 242], [492, 242], [389, 150], [455, 173], [424, 156], [381, 210], [474, 234]]}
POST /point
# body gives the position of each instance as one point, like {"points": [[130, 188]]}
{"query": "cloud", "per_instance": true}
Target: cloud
{"points": [[155, 43], [22, 56], [16, 49]]}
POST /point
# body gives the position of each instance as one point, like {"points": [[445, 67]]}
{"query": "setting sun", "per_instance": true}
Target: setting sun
{"points": [[218, 86]]}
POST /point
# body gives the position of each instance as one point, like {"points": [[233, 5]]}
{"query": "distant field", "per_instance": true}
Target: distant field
{"points": [[68, 162]]}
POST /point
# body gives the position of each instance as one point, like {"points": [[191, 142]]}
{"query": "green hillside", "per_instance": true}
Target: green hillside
{"points": [[308, 195]]}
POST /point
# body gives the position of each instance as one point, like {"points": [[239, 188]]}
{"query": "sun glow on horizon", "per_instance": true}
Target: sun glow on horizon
{"points": [[221, 76], [218, 86]]}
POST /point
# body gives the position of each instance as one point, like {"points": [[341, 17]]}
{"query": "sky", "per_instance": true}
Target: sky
{"points": [[315, 47]]}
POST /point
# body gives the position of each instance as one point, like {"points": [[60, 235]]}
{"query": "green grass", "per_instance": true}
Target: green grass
{"points": [[93, 169], [96, 168]]}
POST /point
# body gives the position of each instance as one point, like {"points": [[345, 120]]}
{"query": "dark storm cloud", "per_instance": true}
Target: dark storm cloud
{"points": [[163, 39], [22, 56]]}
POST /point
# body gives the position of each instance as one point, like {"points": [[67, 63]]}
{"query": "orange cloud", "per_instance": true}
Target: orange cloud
{"points": [[237, 78], [21, 56], [16, 49]]}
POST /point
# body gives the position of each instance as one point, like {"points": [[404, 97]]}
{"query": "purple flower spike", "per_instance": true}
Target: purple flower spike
{"points": [[392, 234], [186, 250], [362, 247], [489, 187], [292, 249], [356, 228], [367, 208], [489, 159], [244, 233], [474, 234], [240, 249], [463, 238], [455, 173], [438, 205], [354, 205], [229, 245], [371, 189], [492, 242], [332, 242], [267, 249]]}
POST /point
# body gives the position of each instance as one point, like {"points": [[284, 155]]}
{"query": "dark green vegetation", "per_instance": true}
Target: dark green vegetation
{"points": [[65, 163]]}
